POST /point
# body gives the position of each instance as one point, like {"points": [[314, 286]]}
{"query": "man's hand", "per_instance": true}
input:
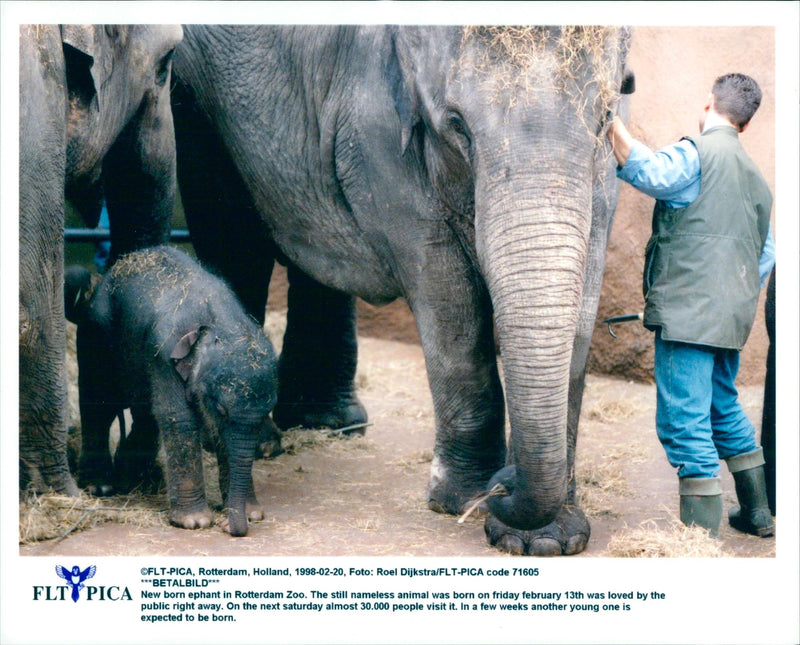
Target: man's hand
{"points": [[620, 139]]}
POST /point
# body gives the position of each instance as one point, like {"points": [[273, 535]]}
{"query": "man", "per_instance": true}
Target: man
{"points": [[709, 253]]}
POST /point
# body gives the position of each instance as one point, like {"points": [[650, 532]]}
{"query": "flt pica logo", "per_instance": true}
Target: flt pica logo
{"points": [[75, 579]]}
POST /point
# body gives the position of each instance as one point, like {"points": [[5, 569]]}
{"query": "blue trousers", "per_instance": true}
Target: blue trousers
{"points": [[699, 419]]}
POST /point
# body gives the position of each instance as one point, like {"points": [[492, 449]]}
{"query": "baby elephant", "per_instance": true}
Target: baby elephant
{"points": [[170, 341]]}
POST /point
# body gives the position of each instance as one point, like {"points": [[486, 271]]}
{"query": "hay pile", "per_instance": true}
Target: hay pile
{"points": [[296, 440], [47, 517], [677, 541]]}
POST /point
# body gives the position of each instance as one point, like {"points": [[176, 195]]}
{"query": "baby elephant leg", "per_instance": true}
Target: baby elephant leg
{"points": [[184, 476]]}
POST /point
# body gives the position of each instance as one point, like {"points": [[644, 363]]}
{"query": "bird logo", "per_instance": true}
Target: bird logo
{"points": [[75, 578]]}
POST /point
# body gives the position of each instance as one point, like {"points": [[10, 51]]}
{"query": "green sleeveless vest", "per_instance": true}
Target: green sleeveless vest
{"points": [[701, 281]]}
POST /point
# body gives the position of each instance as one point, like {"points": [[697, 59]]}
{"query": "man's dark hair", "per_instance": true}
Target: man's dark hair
{"points": [[737, 98]]}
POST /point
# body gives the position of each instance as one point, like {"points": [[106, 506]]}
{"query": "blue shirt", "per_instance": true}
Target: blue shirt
{"points": [[672, 175]]}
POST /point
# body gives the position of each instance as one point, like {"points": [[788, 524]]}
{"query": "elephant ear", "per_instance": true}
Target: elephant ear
{"points": [[401, 75], [88, 52], [184, 354]]}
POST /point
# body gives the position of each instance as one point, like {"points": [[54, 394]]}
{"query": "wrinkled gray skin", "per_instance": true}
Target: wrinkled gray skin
{"points": [[379, 162], [95, 121], [168, 340]]}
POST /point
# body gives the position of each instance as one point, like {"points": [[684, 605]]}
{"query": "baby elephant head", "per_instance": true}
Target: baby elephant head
{"points": [[227, 376], [232, 384]]}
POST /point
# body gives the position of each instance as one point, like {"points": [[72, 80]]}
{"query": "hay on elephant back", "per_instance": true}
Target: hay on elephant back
{"points": [[676, 541], [52, 516]]}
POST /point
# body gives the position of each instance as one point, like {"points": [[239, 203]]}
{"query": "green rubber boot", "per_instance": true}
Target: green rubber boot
{"points": [[753, 515], [701, 503]]}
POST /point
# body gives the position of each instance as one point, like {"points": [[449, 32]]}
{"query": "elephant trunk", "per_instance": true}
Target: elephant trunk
{"points": [[532, 245], [240, 460]]}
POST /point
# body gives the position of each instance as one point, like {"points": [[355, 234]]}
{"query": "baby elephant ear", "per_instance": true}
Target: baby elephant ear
{"points": [[180, 356]]}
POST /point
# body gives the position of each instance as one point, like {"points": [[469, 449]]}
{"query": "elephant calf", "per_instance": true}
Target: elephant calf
{"points": [[170, 341]]}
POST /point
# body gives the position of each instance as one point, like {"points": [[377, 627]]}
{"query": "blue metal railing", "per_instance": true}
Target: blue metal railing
{"points": [[102, 235]]}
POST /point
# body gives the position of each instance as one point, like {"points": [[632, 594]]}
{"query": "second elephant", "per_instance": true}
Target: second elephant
{"points": [[94, 124]]}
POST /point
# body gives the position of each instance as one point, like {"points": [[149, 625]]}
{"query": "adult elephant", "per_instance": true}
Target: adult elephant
{"points": [[463, 169], [95, 123]]}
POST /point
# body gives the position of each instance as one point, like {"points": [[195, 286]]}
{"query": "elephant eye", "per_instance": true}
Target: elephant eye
{"points": [[456, 124], [221, 409], [162, 71]]}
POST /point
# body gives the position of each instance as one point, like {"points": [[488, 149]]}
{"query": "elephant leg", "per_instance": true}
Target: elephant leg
{"points": [[317, 366], [43, 462], [98, 407], [453, 313], [43, 459], [139, 178], [96, 469], [184, 473], [226, 229], [135, 465]]}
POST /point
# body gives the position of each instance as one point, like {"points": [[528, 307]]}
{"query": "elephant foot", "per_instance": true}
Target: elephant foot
{"points": [[254, 510], [100, 490], [64, 485], [70, 488], [98, 486], [453, 493], [567, 535], [199, 519], [269, 442], [41, 474], [269, 449], [97, 477], [350, 417]]}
